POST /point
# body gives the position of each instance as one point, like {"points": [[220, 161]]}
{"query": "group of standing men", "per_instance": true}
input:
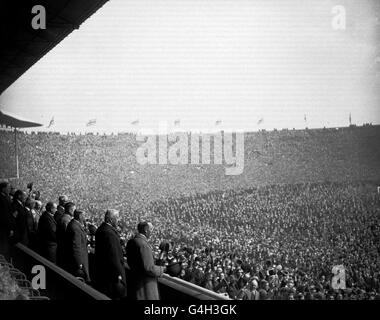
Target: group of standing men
{"points": [[59, 234]]}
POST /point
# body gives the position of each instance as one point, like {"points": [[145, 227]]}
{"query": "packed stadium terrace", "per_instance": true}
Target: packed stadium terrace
{"points": [[307, 201]]}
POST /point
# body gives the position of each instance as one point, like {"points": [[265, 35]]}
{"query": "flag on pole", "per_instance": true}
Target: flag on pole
{"points": [[349, 118], [260, 121], [304, 117], [218, 122], [91, 122], [177, 122], [51, 122], [135, 122]]}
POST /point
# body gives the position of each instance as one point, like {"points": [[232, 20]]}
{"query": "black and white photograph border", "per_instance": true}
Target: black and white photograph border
{"points": [[190, 152]]}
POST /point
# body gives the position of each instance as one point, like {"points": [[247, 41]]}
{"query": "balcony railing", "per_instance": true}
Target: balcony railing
{"points": [[61, 285]]}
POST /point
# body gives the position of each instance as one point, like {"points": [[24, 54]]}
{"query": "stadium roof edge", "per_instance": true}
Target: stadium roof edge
{"points": [[14, 121], [22, 46]]}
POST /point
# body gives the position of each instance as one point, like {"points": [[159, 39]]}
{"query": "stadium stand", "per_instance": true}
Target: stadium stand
{"points": [[306, 201]]}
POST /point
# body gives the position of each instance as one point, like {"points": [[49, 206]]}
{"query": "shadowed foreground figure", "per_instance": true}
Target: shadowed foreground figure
{"points": [[20, 214], [76, 245], [109, 260], [142, 279], [6, 226], [62, 224], [47, 228]]}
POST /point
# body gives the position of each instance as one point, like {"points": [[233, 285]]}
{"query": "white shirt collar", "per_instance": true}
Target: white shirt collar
{"points": [[143, 235]]}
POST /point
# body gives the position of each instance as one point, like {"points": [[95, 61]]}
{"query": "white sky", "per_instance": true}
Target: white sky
{"points": [[202, 61]]}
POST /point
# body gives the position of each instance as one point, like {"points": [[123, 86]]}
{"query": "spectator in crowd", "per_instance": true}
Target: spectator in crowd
{"points": [[62, 200], [61, 230], [20, 214], [37, 212], [31, 222], [109, 260], [250, 292], [47, 228], [6, 227], [76, 245], [143, 272], [12, 192]]}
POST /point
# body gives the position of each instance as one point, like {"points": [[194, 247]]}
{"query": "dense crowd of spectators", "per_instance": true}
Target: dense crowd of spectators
{"points": [[281, 240], [273, 242], [278, 241], [102, 169]]}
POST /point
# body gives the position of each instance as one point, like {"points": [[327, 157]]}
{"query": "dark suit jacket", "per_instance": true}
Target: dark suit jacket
{"points": [[5, 213], [143, 271], [47, 228], [31, 226], [61, 250], [76, 245], [6, 223], [30, 223], [57, 216], [21, 223], [109, 262]]}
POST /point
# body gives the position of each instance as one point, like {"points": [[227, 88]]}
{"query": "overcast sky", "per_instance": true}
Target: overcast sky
{"points": [[203, 61]]}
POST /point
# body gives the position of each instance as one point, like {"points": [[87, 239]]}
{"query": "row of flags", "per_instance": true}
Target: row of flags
{"points": [[136, 122], [88, 124], [177, 122]]}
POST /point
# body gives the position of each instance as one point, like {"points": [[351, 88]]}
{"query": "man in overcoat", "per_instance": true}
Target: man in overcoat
{"points": [[109, 259], [76, 245], [46, 233], [143, 273]]}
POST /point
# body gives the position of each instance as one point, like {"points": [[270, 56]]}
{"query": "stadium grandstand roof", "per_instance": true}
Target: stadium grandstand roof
{"points": [[10, 120], [22, 46]]}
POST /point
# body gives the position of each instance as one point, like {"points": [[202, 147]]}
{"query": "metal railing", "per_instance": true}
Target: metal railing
{"points": [[59, 283], [62, 285], [187, 289]]}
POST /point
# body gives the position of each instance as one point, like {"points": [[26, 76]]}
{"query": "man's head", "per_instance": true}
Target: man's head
{"points": [[30, 203], [38, 205], [70, 208], [5, 187], [265, 285], [145, 228], [62, 200], [80, 216], [20, 196], [112, 217], [61, 210], [51, 207]]}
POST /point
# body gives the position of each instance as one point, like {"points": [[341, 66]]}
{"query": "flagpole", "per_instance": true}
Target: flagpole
{"points": [[16, 152]]}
